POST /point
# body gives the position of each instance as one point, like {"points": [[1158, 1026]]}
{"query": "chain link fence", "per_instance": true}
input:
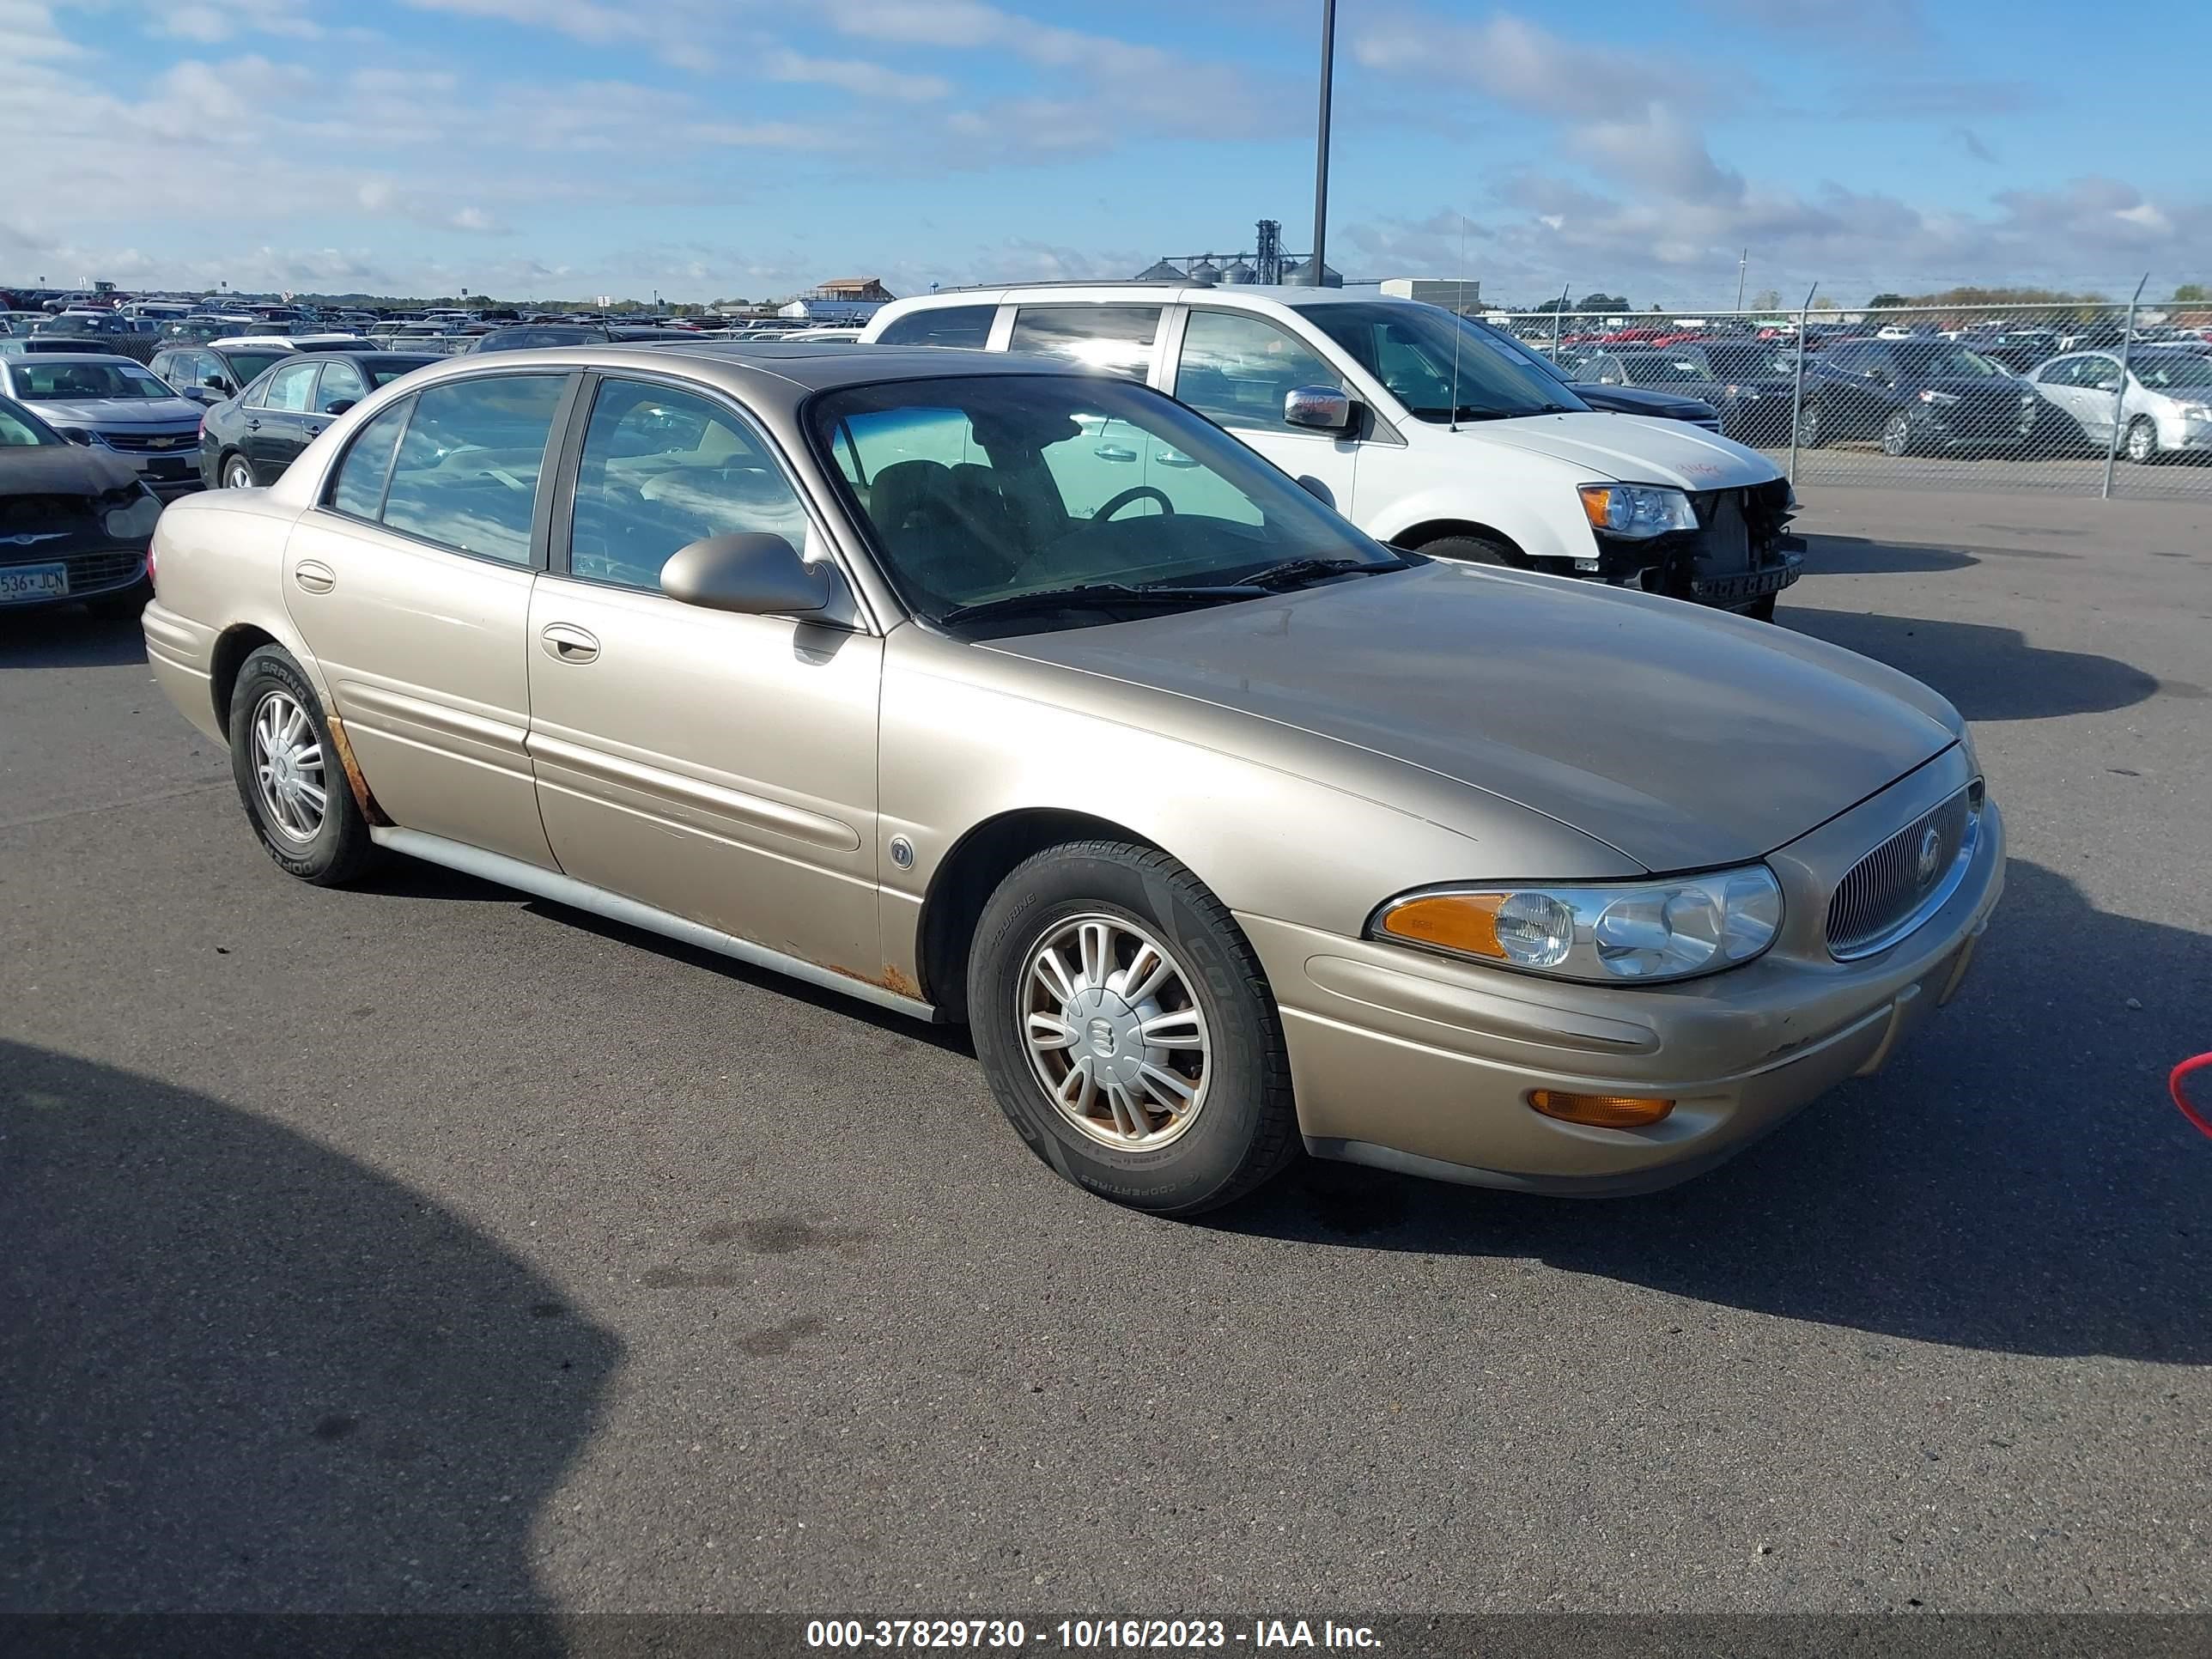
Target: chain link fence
{"points": [[2085, 399]]}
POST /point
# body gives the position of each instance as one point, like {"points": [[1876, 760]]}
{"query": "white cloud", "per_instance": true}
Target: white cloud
{"points": [[863, 80]]}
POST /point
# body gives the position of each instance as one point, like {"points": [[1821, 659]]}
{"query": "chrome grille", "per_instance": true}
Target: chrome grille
{"points": [[90, 572], [1896, 887], [153, 443]]}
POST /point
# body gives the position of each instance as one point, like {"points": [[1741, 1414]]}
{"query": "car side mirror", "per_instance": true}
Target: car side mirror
{"points": [[1320, 409], [341, 406], [753, 575]]}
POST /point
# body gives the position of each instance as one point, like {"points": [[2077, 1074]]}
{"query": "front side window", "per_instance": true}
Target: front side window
{"points": [[1437, 364], [981, 489], [662, 469], [342, 383], [1237, 370], [1116, 339], [941, 325], [467, 473], [290, 388]]}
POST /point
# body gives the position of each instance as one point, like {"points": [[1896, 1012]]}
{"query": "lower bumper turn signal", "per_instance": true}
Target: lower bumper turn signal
{"points": [[1604, 1111]]}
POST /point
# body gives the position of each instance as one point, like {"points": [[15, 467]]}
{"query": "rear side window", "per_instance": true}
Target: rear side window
{"points": [[1117, 339], [291, 387], [467, 473], [941, 325], [367, 463]]}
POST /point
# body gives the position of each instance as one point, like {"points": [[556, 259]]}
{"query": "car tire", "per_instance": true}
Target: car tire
{"points": [[2140, 444], [1760, 609], [236, 473], [123, 606], [1810, 434], [1098, 907], [1897, 433], [273, 713], [1494, 550]]}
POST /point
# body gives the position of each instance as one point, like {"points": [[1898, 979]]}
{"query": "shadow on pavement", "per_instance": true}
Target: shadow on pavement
{"points": [[1862, 555], [2016, 1180], [1990, 673], [66, 636], [241, 1371]]}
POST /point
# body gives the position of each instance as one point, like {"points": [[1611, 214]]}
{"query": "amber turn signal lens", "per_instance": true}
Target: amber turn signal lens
{"points": [[1604, 1111], [1597, 507], [1451, 921]]}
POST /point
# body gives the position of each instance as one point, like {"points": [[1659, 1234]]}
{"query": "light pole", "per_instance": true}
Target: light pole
{"points": [[1320, 144]]}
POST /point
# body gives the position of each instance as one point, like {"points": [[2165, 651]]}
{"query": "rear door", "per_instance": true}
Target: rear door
{"points": [[410, 582]]}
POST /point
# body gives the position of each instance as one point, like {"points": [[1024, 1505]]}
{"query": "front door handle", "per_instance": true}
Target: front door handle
{"points": [[1114, 452], [253, 425], [1173, 458], [314, 575], [566, 642], [315, 432]]}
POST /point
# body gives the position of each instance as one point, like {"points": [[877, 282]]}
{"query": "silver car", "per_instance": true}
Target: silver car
{"points": [[2166, 408], [101, 398], [1230, 832]]}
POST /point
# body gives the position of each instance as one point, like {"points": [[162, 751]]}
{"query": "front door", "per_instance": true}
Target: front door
{"points": [[1236, 369], [717, 765], [410, 584]]}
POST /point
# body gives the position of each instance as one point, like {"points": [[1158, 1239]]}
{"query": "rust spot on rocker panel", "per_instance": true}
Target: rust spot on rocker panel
{"points": [[355, 781], [892, 980]]}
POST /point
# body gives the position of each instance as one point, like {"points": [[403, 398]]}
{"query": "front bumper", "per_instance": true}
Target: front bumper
{"points": [[1425, 1064], [94, 572]]}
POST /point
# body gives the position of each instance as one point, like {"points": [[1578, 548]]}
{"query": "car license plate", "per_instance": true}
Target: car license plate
{"points": [[1751, 585], [170, 466], [22, 583]]}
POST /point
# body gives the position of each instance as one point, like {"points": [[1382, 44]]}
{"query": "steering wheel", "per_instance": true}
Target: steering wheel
{"points": [[1133, 493]]}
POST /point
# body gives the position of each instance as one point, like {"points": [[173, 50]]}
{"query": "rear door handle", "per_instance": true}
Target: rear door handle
{"points": [[566, 642], [314, 575], [1114, 452], [1172, 457]]}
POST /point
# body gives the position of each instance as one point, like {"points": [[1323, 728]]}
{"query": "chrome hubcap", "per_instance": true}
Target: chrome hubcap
{"points": [[239, 477], [288, 767], [1113, 1033], [2139, 443]]}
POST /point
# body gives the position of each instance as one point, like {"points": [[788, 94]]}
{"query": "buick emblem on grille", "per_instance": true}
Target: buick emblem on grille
{"points": [[1931, 855]]}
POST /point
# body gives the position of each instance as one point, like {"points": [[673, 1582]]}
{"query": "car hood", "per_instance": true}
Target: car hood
{"points": [[1682, 738], [1676, 454], [153, 412], [63, 470], [1635, 400]]}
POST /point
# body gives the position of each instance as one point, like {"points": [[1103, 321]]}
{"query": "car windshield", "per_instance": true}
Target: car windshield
{"points": [[2177, 368], [1748, 361], [1664, 368], [65, 381], [989, 490], [249, 365], [1422, 352], [1944, 361], [21, 429]]}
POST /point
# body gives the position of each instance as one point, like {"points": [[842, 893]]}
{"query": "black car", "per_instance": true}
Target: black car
{"points": [[1613, 399], [251, 438], [74, 520], [1749, 382], [207, 375], [1916, 397]]}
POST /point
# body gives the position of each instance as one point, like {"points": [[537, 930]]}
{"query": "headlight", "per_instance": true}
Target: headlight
{"points": [[78, 434], [1670, 929], [1939, 396], [127, 524], [1636, 510], [2197, 411]]}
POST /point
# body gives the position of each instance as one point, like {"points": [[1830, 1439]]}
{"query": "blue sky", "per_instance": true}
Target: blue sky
{"points": [[710, 148]]}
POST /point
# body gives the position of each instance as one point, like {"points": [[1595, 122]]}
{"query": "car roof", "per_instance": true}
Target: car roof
{"points": [[1080, 293], [111, 358]]}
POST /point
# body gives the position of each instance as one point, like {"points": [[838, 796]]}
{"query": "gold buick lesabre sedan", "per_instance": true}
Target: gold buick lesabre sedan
{"points": [[992, 693]]}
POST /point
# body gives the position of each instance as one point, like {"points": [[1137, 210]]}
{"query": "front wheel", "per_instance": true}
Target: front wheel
{"points": [[1810, 431], [1127, 1030], [294, 788], [2143, 440], [1897, 433]]}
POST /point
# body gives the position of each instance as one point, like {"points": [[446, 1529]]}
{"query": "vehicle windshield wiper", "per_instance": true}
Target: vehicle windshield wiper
{"points": [[1469, 412], [1308, 569], [1101, 595]]}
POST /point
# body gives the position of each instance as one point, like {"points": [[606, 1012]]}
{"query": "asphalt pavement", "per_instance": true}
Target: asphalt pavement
{"points": [[427, 1246]]}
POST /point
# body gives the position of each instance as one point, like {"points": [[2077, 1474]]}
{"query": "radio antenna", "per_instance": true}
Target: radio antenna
{"points": [[1459, 324]]}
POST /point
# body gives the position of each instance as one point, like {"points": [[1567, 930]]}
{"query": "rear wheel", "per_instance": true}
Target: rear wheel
{"points": [[1810, 432], [2143, 440], [1897, 433], [1127, 1030], [237, 474], [1760, 609], [294, 788], [1476, 548]]}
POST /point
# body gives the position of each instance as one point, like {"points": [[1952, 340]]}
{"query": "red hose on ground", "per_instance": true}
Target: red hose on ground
{"points": [[2202, 1062]]}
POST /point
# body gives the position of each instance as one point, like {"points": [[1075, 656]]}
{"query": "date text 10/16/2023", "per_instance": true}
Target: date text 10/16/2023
{"points": [[1083, 1635]]}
